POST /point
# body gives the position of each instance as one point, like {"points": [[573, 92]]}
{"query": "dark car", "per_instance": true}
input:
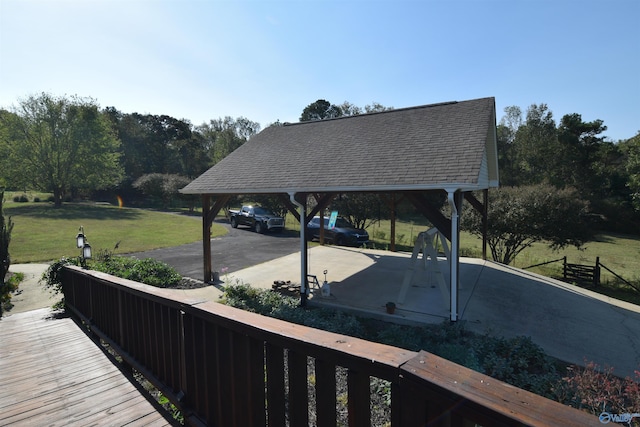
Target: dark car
{"points": [[344, 233]]}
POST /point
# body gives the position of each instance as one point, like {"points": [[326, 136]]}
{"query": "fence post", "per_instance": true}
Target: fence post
{"points": [[596, 273], [564, 268]]}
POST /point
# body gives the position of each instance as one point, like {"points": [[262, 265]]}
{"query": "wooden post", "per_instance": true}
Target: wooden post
{"points": [[392, 242], [209, 213], [206, 237]]}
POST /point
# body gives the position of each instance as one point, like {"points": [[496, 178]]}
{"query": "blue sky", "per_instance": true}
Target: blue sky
{"points": [[267, 60]]}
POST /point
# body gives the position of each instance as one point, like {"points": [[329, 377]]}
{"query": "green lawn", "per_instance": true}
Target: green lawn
{"points": [[43, 233]]}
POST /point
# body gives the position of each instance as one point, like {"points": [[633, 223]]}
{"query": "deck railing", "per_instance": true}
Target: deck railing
{"points": [[227, 367]]}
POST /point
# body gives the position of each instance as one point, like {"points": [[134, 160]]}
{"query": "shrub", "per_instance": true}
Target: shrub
{"points": [[517, 361], [598, 390], [36, 199], [148, 271], [6, 289], [21, 199]]}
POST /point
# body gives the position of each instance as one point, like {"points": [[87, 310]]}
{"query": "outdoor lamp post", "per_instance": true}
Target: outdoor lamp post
{"points": [[80, 238], [85, 248]]}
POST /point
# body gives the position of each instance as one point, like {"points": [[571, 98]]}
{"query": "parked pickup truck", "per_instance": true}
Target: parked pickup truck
{"points": [[258, 219]]}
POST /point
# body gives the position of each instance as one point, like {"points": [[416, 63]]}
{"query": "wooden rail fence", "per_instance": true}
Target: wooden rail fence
{"points": [[226, 367], [581, 274]]}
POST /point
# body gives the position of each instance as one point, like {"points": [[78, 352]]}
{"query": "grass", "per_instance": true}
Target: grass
{"points": [[618, 252], [43, 233]]}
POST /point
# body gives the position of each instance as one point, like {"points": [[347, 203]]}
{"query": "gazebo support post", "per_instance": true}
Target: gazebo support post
{"points": [[455, 202], [300, 200], [209, 213]]}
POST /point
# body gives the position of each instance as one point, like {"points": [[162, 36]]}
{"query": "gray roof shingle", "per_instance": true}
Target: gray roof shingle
{"points": [[438, 146]]}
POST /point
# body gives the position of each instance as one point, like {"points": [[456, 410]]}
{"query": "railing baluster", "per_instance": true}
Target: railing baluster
{"points": [[275, 386], [256, 366], [298, 391], [325, 393], [359, 399]]}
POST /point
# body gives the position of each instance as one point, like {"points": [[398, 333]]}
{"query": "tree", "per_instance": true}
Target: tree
{"points": [[534, 147], [506, 134], [579, 146], [320, 110], [59, 144], [521, 216], [361, 209], [162, 187], [222, 136], [632, 149], [5, 238]]}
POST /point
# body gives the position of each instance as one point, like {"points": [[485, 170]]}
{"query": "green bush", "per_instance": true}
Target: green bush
{"points": [[148, 271], [517, 361], [21, 199]]}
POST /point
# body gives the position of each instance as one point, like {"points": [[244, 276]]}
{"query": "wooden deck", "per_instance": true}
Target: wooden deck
{"points": [[52, 373]]}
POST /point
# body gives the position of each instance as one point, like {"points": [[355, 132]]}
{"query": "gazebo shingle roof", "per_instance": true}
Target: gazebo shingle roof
{"points": [[439, 146]]}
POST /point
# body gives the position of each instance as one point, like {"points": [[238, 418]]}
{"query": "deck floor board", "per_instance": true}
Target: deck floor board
{"points": [[52, 373]]}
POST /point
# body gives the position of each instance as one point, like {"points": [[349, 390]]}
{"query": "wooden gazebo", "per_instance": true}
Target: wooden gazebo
{"points": [[447, 147]]}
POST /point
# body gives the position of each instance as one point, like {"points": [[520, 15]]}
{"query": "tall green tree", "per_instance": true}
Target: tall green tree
{"points": [[632, 149], [534, 147], [222, 136], [520, 216], [59, 144], [506, 133], [320, 110], [579, 148]]}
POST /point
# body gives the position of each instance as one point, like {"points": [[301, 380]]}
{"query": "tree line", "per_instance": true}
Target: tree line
{"points": [[72, 148]]}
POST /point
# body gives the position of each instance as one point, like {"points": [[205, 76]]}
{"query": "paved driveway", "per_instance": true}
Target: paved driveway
{"points": [[238, 249]]}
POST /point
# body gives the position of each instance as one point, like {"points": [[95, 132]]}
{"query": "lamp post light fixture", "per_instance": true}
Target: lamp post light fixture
{"points": [[80, 238], [85, 248]]}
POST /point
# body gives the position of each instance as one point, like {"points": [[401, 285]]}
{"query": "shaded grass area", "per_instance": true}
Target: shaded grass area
{"points": [[44, 233]]}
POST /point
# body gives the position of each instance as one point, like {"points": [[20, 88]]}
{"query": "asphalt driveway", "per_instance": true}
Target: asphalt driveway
{"points": [[238, 249]]}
